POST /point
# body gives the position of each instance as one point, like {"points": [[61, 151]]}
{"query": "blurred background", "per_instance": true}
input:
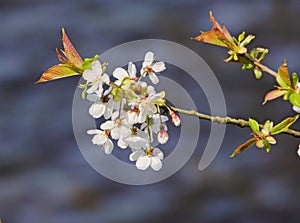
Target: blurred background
{"points": [[44, 177]]}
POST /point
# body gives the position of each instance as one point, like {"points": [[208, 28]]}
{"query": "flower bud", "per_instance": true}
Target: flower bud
{"points": [[175, 118], [162, 136]]}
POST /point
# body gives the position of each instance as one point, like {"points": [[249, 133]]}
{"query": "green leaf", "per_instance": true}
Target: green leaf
{"points": [[285, 124], [243, 147], [295, 80], [87, 62], [257, 73], [295, 99], [57, 72], [241, 37], [130, 95], [267, 145], [118, 94], [254, 125], [283, 77]]}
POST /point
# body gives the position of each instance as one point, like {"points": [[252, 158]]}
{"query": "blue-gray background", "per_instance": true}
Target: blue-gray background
{"points": [[44, 177]]}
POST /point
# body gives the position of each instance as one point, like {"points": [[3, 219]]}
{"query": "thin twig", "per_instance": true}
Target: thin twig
{"points": [[227, 120]]}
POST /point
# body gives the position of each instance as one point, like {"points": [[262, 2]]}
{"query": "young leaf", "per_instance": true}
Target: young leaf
{"points": [[285, 124], [257, 73], [218, 35], [243, 147], [271, 95], [295, 99], [72, 62], [283, 77], [87, 62], [254, 125], [70, 52], [295, 80], [56, 72]]}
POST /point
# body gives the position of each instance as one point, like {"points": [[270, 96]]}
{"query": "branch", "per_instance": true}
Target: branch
{"points": [[227, 120], [261, 66]]}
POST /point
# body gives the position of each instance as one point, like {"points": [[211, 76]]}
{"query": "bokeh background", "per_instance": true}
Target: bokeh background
{"points": [[44, 177]]}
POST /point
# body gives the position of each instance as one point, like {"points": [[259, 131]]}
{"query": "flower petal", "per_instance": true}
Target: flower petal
{"points": [[136, 154], [107, 125], [97, 67], [97, 110], [156, 163], [120, 73], [93, 88], [94, 131], [296, 109], [143, 162], [105, 78], [158, 153], [99, 139], [149, 57], [159, 67], [131, 70], [153, 78], [298, 150], [108, 146]]}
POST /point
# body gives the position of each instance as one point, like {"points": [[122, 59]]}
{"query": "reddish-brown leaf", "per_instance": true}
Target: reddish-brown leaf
{"points": [[218, 35], [243, 147], [70, 52], [271, 95]]}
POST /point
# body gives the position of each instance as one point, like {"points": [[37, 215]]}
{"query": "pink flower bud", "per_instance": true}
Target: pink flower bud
{"points": [[162, 136], [175, 118]]}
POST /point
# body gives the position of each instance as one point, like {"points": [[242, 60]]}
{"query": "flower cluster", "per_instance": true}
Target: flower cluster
{"points": [[131, 109]]}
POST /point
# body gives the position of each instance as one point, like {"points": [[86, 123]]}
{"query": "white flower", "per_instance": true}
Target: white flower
{"points": [[96, 77], [151, 67], [121, 73], [137, 140], [147, 107], [118, 130], [155, 124], [148, 157], [101, 139], [99, 108]]}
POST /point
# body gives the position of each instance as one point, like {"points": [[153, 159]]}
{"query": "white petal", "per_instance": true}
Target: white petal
{"points": [[105, 78], [120, 73], [97, 67], [156, 97], [115, 133], [153, 78], [132, 70], [88, 75], [151, 90], [298, 150], [156, 163], [107, 125], [296, 109], [97, 110], [298, 85], [159, 67], [122, 144], [135, 155], [143, 162], [149, 57], [94, 131], [93, 88], [108, 146], [99, 139], [158, 153], [92, 97]]}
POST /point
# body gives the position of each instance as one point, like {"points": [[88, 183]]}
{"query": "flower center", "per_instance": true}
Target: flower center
{"points": [[149, 151], [148, 69]]}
